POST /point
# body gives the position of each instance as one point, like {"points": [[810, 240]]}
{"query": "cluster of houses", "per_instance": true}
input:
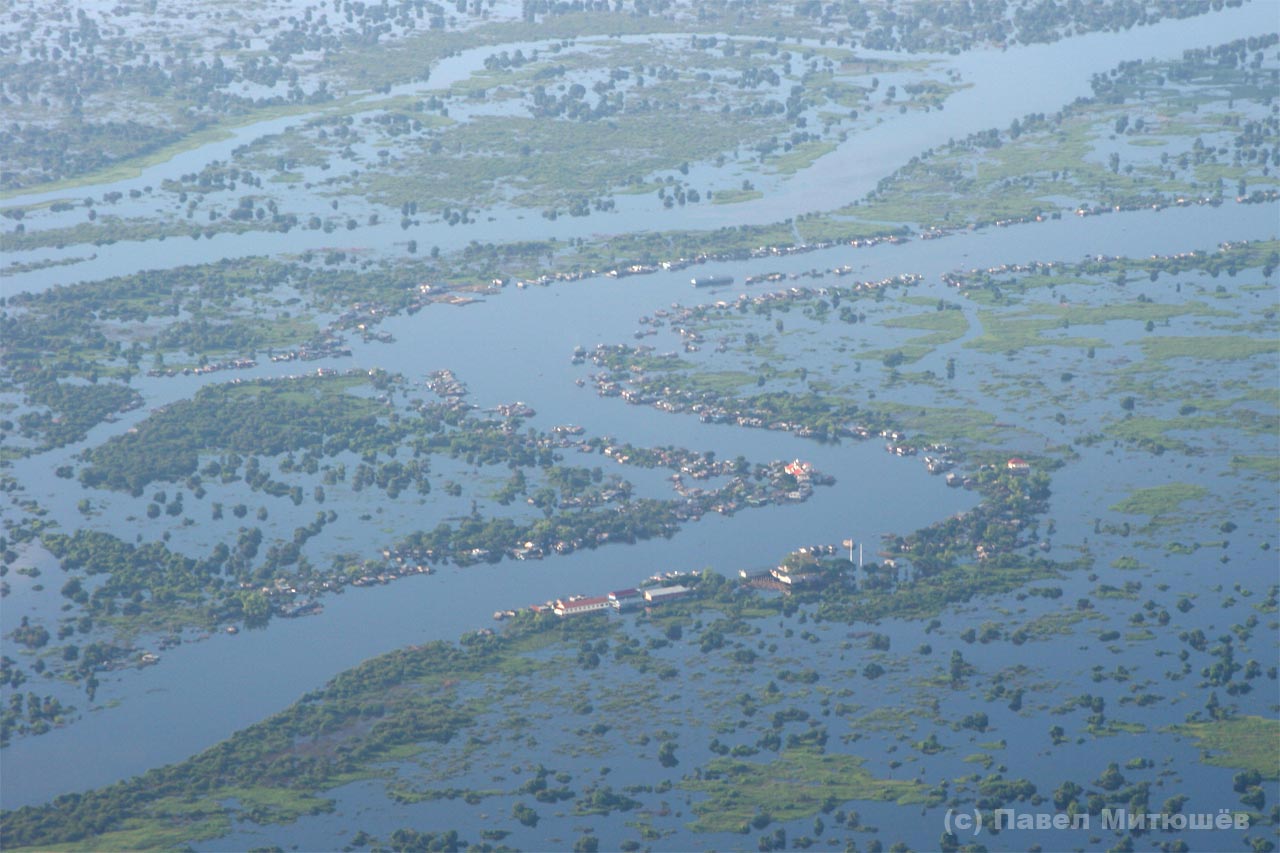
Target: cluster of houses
{"points": [[738, 493], [1258, 197], [966, 278], [636, 269], [112, 417], [937, 461], [547, 278], [368, 334], [681, 263], [750, 254], [449, 388], [518, 409], [773, 277], [361, 315], [293, 597], [791, 294], [691, 339], [531, 550], [211, 367], [329, 347], [704, 405], [938, 458], [1015, 465], [1255, 197], [935, 231], [961, 279], [800, 569]]}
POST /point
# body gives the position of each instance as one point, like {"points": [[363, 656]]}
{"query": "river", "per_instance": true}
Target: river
{"points": [[516, 346], [1006, 85]]}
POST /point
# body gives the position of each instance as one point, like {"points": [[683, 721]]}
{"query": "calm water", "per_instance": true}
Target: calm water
{"points": [[516, 346]]}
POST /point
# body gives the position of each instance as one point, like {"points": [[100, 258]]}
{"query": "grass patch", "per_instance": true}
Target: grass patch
{"points": [[946, 326], [1221, 348], [801, 157], [1159, 501], [175, 822], [793, 786], [276, 805], [1031, 327], [1009, 333], [1244, 743], [1056, 624], [1154, 432], [491, 159], [735, 196], [1117, 727], [1268, 466], [948, 425], [953, 322], [148, 834]]}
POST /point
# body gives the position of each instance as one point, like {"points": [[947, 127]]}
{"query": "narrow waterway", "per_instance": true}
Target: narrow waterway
{"points": [[1006, 84]]}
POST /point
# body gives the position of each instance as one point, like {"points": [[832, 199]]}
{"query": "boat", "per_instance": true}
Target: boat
{"points": [[711, 280]]}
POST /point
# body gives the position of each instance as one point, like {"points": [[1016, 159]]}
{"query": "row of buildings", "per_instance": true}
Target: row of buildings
{"points": [[620, 600]]}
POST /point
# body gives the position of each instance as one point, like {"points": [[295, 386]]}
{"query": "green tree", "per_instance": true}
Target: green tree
{"points": [[256, 607]]}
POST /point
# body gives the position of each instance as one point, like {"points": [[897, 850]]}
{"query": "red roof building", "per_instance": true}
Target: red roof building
{"points": [[624, 599], [576, 606], [799, 470]]}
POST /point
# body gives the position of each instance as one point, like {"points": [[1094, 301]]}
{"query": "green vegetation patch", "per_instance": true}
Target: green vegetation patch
{"points": [[735, 196], [946, 588], [946, 326], [259, 417], [1008, 333], [1159, 501], [968, 426], [271, 771], [1244, 743], [1033, 327], [146, 834], [1215, 347], [802, 157], [722, 381], [1268, 466], [795, 785], [1153, 433], [952, 322], [1060, 623], [490, 156]]}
